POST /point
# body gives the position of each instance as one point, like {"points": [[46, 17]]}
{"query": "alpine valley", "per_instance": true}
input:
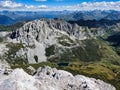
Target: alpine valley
{"points": [[65, 50]]}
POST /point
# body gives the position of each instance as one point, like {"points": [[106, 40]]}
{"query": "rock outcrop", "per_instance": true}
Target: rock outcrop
{"points": [[51, 79], [37, 35]]}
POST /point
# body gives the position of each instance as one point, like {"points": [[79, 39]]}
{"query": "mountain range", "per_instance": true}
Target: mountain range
{"points": [[5, 20], [18, 16], [84, 42], [93, 15]]}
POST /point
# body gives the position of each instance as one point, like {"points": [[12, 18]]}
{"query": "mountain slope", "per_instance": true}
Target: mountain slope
{"points": [[57, 40], [50, 79], [6, 20], [113, 16], [60, 44], [92, 15], [41, 34]]}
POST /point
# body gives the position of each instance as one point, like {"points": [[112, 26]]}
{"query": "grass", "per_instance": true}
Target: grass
{"points": [[88, 51], [65, 41], [98, 70], [13, 48], [36, 66], [91, 50], [1, 39], [11, 27], [11, 57], [92, 58], [50, 50]]}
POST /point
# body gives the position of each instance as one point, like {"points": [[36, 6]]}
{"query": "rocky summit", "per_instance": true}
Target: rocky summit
{"points": [[37, 35], [61, 45], [47, 78]]}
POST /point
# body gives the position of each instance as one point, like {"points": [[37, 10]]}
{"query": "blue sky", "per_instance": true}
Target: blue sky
{"points": [[59, 5], [58, 2]]}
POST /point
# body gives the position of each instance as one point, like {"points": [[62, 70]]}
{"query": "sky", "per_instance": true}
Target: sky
{"points": [[59, 5]]}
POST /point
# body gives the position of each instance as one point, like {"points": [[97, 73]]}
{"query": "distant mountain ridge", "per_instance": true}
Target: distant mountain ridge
{"points": [[95, 23], [5, 20], [93, 15], [18, 16], [113, 16]]}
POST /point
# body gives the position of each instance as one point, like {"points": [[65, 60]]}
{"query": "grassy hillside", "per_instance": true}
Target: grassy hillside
{"points": [[11, 27], [93, 58], [106, 72]]}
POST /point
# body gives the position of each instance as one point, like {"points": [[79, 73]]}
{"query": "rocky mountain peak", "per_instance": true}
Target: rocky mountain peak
{"points": [[48, 78], [47, 30], [38, 35]]}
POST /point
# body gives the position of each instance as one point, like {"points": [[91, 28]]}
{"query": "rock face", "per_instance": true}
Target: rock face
{"points": [[37, 35], [19, 80], [51, 79], [45, 31], [63, 80], [3, 66]]}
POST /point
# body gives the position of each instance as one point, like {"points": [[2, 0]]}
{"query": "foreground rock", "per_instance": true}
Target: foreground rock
{"points": [[51, 79]]}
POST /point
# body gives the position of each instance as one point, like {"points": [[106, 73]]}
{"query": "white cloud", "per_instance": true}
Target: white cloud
{"points": [[35, 7], [85, 6], [11, 5], [42, 7], [100, 6]]}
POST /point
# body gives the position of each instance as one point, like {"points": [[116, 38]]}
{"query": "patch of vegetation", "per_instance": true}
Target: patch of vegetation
{"points": [[95, 23], [50, 50], [13, 48], [36, 66], [1, 39], [99, 70], [11, 54], [92, 58], [17, 60], [11, 27], [65, 41], [114, 41], [89, 50]]}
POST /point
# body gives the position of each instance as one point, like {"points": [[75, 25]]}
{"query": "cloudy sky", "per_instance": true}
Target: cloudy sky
{"points": [[59, 5]]}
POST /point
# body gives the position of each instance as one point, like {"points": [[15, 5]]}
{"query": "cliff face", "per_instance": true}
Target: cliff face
{"points": [[48, 78], [38, 35], [64, 43], [45, 30]]}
